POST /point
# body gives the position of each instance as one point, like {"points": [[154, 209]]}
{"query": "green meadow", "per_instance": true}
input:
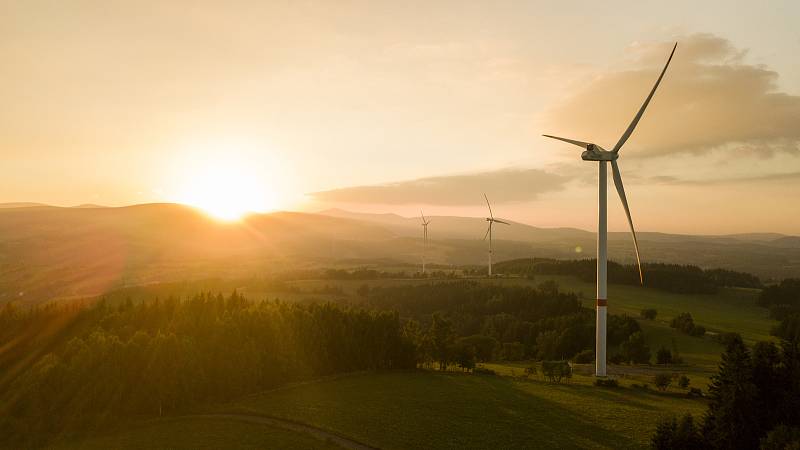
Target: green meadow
{"points": [[423, 409]]}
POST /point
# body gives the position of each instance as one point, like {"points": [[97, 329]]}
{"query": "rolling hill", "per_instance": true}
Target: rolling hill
{"points": [[51, 252]]}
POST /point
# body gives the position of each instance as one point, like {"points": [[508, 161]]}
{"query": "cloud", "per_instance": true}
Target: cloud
{"points": [[507, 185], [767, 177], [709, 99]]}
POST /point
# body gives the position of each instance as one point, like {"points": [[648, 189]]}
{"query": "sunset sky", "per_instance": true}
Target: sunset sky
{"points": [[393, 106]]}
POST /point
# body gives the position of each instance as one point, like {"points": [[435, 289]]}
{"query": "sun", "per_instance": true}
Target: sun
{"points": [[224, 186]]}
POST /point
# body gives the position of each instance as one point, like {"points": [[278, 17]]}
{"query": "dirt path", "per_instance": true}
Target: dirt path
{"points": [[318, 433]]}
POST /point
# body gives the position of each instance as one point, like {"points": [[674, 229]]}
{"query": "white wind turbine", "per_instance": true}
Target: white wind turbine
{"points": [[593, 153], [425, 223], [491, 221]]}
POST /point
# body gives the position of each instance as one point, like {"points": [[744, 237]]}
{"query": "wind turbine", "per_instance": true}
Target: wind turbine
{"points": [[596, 153], [491, 221], [425, 223]]}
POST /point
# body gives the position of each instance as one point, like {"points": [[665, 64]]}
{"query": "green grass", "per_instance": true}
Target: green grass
{"points": [[446, 410], [729, 310], [197, 434]]}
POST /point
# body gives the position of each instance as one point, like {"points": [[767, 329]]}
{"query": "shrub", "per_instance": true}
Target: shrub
{"points": [[555, 371], [683, 382], [584, 357], [695, 392], [648, 313], [685, 323], [606, 382], [662, 381], [483, 371], [530, 370]]}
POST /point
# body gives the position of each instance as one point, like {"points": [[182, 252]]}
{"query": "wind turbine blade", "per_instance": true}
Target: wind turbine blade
{"points": [[635, 120], [490, 206], [500, 221], [621, 192], [487, 231], [573, 142]]}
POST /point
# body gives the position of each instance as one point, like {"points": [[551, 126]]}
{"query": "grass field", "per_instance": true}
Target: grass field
{"points": [[197, 434], [450, 410]]}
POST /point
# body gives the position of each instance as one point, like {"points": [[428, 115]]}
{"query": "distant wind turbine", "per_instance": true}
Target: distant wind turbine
{"points": [[425, 223], [593, 153], [491, 221]]}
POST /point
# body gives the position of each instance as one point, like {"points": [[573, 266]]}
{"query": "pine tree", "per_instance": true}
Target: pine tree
{"points": [[731, 417]]}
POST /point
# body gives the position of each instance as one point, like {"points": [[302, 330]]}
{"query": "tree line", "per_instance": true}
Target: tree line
{"points": [[498, 322], [782, 299], [682, 279]]}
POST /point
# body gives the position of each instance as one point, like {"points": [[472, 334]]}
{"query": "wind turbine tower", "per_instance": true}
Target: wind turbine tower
{"points": [[425, 223], [595, 153], [491, 221]]}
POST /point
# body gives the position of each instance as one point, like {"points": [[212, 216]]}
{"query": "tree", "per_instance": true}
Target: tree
{"points": [[663, 356], [513, 351], [782, 437], [731, 418], [685, 323], [465, 357], [484, 346], [648, 313], [442, 338], [662, 381], [671, 434], [635, 350]]}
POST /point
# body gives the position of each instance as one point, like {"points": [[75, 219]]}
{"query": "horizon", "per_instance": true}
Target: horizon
{"points": [[243, 217]]}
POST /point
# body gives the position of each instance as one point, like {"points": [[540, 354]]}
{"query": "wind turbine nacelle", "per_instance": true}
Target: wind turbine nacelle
{"points": [[596, 153]]}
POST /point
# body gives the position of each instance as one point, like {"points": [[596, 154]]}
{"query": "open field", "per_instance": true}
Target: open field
{"points": [[196, 434], [451, 410], [419, 409]]}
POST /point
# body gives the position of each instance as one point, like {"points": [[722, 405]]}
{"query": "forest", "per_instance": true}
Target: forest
{"points": [[522, 322], [79, 367]]}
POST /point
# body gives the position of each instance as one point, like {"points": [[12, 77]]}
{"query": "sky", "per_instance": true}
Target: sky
{"points": [[396, 106]]}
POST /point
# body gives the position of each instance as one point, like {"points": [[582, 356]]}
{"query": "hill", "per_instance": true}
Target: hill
{"points": [[49, 253]]}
